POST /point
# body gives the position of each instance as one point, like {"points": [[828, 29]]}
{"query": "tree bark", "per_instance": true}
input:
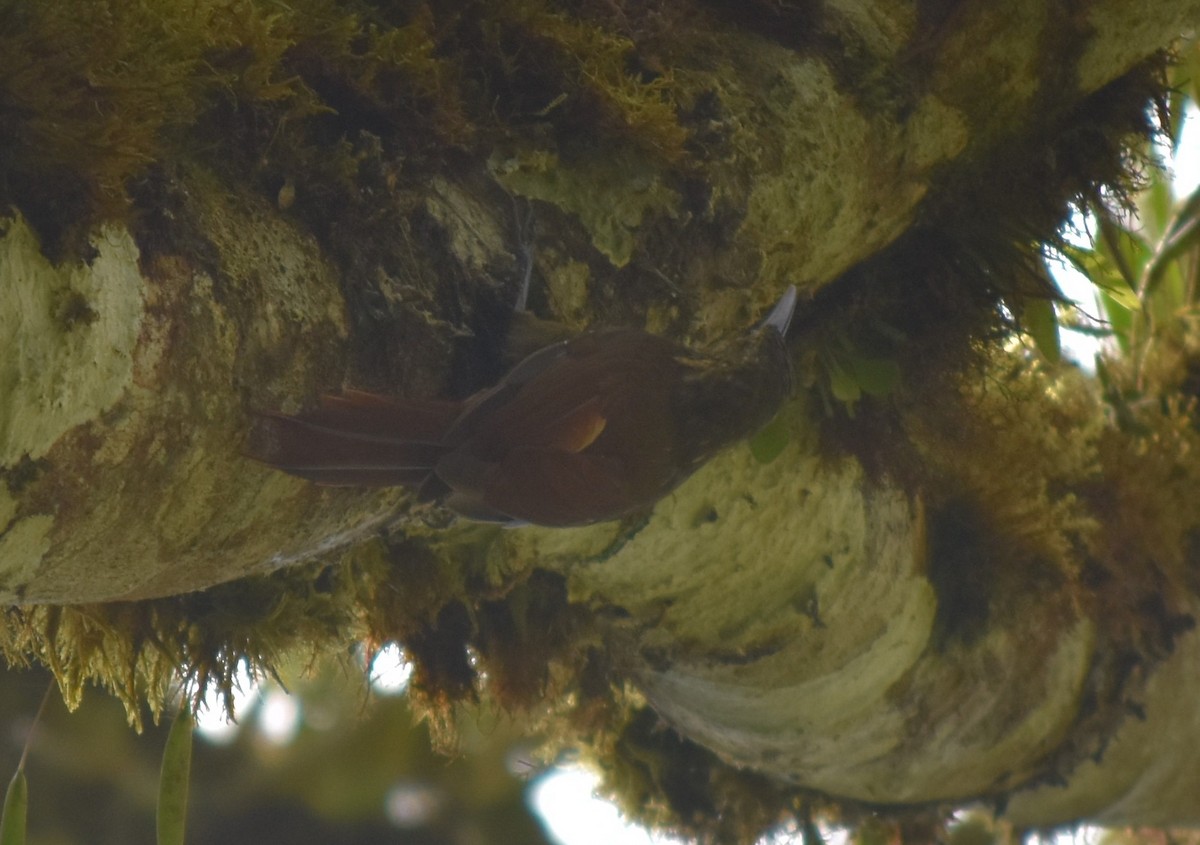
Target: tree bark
{"points": [[974, 584]]}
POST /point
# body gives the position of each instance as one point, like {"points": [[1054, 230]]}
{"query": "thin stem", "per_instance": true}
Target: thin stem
{"points": [[32, 728]]}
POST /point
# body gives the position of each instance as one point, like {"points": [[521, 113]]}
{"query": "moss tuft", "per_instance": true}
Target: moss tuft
{"points": [[93, 93], [142, 652]]}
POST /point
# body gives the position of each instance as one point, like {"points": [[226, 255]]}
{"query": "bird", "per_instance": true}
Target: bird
{"points": [[590, 429]]}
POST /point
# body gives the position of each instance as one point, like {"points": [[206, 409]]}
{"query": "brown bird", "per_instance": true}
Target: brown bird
{"points": [[582, 431]]}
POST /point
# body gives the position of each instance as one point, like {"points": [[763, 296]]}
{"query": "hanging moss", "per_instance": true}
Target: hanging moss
{"points": [[142, 651]]}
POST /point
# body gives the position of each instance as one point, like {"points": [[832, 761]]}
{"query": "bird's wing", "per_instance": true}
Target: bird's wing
{"points": [[482, 405], [358, 411], [549, 487]]}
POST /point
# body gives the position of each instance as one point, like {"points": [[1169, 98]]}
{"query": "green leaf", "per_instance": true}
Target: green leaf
{"points": [[173, 782], [770, 440], [1040, 320], [843, 384], [16, 803], [1183, 238], [1120, 319], [1103, 273], [1154, 205], [851, 375], [876, 376], [1128, 250]]}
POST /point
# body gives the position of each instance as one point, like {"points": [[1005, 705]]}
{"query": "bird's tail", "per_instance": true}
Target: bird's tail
{"points": [[357, 439]]}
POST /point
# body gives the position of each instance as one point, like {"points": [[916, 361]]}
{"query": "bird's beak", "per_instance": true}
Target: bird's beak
{"points": [[781, 315]]}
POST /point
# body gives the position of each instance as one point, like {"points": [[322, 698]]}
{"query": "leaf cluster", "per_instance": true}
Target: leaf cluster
{"points": [[1144, 256]]}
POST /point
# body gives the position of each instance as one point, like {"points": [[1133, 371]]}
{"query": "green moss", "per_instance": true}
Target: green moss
{"points": [[88, 92], [610, 194], [94, 93], [590, 66]]}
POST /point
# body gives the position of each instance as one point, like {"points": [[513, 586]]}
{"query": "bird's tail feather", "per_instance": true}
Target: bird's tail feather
{"points": [[357, 439]]}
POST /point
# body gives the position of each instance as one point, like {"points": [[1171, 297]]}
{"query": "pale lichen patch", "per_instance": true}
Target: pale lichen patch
{"points": [[804, 217], [1004, 45], [767, 532], [22, 547], [67, 335], [1123, 35], [936, 132]]}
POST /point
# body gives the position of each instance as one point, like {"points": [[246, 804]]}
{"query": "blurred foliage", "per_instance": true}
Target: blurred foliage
{"points": [[354, 754], [1144, 255], [1148, 836]]}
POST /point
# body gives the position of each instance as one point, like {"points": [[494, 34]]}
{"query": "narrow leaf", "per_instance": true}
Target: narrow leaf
{"points": [[844, 386], [876, 376], [1120, 318], [1184, 237], [770, 440], [173, 782], [1155, 204], [16, 803], [1104, 274], [1040, 320], [1126, 249]]}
